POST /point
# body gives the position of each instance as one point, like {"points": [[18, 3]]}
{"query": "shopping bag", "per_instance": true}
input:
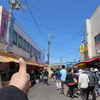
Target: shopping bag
{"points": [[45, 77], [71, 83], [75, 81]]}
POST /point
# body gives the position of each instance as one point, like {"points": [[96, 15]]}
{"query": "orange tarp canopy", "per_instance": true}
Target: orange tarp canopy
{"points": [[8, 57]]}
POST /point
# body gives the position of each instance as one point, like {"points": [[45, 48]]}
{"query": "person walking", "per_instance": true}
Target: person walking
{"points": [[63, 73], [70, 82], [83, 85], [58, 79], [76, 76], [91, 85], [97, 72], [45, 76]]}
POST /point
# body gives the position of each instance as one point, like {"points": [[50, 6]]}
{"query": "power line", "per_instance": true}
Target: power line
{"points": [[43, 25], [45, 14], [27, 34], [60, 49], [38, 14], [55, 18], [35, 21], [72, 37]]}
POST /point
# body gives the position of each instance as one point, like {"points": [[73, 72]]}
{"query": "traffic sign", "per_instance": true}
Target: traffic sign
{"points": [[5, 43]]}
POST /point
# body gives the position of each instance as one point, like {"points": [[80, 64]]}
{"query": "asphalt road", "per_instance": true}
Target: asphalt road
{"points": [[42, 92]]}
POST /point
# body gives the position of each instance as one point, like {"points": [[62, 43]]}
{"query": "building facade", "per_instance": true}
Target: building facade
{"points": [[20, 43], [93, 34]]}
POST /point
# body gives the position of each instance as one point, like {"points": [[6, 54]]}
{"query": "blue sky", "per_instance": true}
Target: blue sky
{"points": [[62, 19]]}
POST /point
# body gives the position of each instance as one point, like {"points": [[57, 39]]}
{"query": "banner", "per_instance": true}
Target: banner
{"points": [[3, 22], [11, 31]]}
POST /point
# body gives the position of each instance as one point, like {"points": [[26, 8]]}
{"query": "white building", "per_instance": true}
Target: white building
{"points": [[93, 34], [19, 43]]}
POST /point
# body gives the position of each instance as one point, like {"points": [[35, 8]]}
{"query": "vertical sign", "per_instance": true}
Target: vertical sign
{"points": [[3, 23], [11, 31]]}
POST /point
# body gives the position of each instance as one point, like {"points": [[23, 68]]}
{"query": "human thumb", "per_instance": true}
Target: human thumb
{"points": [[22, 64]]}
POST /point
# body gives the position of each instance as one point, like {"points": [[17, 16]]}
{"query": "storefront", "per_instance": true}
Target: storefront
{"points": [[94, 62], [9, 64]]}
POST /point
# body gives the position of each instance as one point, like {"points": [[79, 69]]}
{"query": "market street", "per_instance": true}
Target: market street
{"points": [[42, 92]]}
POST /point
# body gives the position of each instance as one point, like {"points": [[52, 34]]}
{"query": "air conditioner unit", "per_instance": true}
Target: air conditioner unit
{"points": [[97, 51], [31, 54]]}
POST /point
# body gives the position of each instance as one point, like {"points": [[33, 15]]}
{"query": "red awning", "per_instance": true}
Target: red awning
{"points": [[43, 65], [87, 61]]}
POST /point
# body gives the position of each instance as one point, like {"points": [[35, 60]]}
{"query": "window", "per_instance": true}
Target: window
{"points": [[34, 51], [28, 47], [24, 45], [20, 41], [15, 38], [97, 38]]}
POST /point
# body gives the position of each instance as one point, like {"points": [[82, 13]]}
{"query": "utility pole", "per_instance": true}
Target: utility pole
{"points": [[14, 4], [85, 54], [8, 27], [49, 48], [61, 59], [48, 55]]}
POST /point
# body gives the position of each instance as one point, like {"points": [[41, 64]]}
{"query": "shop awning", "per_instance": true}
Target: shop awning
{"points": [[7, 57], [43, 65], [88, 61]]}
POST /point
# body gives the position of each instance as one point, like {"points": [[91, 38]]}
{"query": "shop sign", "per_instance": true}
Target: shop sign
{"points": [[3, 22], [82, 48], [5, 43], [11, 31]]}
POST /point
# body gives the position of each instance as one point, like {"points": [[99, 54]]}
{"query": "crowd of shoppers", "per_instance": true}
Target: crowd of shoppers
{"points": [[74, 82]]}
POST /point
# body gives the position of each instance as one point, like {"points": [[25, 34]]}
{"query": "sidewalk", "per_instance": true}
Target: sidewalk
{"points": [[43, 92]]}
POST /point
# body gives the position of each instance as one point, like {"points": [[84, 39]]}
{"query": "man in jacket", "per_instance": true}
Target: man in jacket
{"points": [[91, 85]]}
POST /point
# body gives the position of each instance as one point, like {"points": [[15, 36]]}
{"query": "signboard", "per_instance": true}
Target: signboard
{"points": [[82, 48], [68, 64], [11, 31], [5, 43], [3, 22]]}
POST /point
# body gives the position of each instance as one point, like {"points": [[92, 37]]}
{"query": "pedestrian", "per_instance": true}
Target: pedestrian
{"points": [[97, 72], [91, 85], [63, 73], [76, 76], [58, 79], [45, 76], [19, 85], [70, 82], [41, 75], [83, 85]]}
